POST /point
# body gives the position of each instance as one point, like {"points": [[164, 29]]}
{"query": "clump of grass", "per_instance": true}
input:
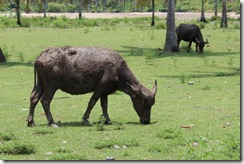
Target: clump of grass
{"points": [[21, 56], [206, 87], [110, 144], [118, 126], [17, 148], [183, 78], [148, 57], [170, 134], [155, 148], [100, 124], [6, 136], [42, 132], [69, 156], [86, 30]]}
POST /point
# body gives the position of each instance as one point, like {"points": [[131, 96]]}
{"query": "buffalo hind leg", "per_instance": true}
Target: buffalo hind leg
{"points": [[46, 100], [34, 99], [91, 104], [104, 104]]}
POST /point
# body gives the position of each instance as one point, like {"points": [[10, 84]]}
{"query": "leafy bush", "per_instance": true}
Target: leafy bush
{"points": [[56, 8]]}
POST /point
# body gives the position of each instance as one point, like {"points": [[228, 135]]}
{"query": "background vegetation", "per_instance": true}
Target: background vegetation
{"points": [[118, 5]]}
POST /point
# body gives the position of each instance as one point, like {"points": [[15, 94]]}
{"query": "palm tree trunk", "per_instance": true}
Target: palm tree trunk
{"points": [[171, 44], [215, 7], [44, 8], [153, 10], [80, 9], [18, 12], [224, 23], [202, 19]]}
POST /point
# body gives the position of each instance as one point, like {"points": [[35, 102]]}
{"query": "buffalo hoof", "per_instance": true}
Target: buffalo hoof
{"points": [[108, 122], [31, 124], [53, 125], [86, 123]]}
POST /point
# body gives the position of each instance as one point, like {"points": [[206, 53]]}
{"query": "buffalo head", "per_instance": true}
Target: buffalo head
{"points": [[201, 44], [143, 100]]}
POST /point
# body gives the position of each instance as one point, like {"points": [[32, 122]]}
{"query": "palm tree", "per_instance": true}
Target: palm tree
{"points": [[171, 37], [44, 8], [80, 9], [215, 7], [18, 12], [224, 23], [202, 19], [153, 10]]}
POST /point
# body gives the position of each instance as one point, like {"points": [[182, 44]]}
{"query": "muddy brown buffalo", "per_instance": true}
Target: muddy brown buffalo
{"points": [[80, 70]]}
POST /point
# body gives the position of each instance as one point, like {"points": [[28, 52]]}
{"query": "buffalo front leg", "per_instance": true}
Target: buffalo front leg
{"points": [[46, 100], [197, 47], [104, 104], [91, 104], [189, 47], [34, 99]]}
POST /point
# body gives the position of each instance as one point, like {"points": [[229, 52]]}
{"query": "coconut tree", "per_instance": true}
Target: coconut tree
{"points": [[80, 9], [202, 19], [171, 37], [215, 7], [18, 12], [224, 23], [153, 10]]}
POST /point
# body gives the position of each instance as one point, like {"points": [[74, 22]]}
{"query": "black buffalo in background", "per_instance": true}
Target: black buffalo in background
{"points": [[191, 33]]}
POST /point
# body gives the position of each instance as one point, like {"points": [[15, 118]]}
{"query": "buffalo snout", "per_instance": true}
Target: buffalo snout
{"points": [[145, 121]]}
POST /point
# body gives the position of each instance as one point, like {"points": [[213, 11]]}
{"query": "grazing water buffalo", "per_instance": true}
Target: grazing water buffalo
{"points": [[191, 33], [79, 70]]}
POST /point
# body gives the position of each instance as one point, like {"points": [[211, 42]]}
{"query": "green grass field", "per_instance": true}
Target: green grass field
{"points": [[189, 122]]}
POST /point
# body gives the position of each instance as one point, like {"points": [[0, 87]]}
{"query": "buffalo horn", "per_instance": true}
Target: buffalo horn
{"points": [[154, 90], [197, 41]]}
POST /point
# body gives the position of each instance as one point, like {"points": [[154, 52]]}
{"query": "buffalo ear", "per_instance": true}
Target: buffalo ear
{"points": [[154, 90], [138, 91]]}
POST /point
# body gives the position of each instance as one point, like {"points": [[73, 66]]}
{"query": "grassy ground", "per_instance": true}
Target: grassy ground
{"points": [[189, 122]]}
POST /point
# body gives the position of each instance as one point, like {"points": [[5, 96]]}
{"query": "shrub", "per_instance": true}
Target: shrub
{"points": [[56, 8]]}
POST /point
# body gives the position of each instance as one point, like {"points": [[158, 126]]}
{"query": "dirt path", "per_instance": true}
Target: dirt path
{"points": [[178, 15]]}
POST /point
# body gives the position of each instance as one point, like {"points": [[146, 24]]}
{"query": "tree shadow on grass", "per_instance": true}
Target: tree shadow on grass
{"points": [[159, 52], [234, 72], [12, 64]]}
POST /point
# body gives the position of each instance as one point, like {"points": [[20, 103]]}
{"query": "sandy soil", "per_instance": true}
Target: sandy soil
{"points": [[178, 15]]}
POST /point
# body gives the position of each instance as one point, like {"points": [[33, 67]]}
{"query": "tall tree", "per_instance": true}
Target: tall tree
{"points": [[215, 7], [171, 37], [80, 9], [202, 19], [18, 12], [153, 10], [44, 8], [224, 23]]}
